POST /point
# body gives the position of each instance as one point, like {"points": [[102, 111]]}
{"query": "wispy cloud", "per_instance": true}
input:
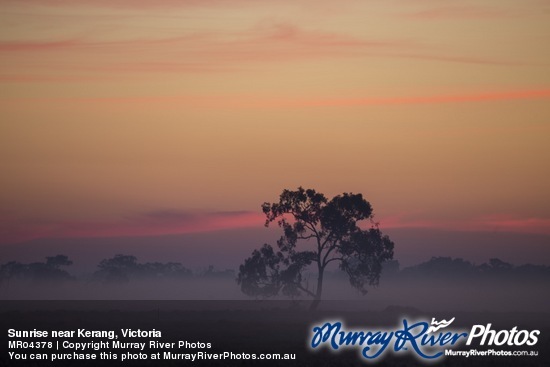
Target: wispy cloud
{"points": [[251, 101], [459, 12], [505, 223], [192, 52], [206, 52], [166, 222], [18, 46], [265, 39], [134, 4], [431, 99], [162, 222], [492, 223], [34, 78]]}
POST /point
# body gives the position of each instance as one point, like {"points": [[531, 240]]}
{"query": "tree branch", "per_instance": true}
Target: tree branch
{"points": [[327, 239], [330, 249], [334, 259], [306, 237]]}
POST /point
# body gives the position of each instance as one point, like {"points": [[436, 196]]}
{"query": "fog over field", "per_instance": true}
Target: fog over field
{"points": [[417, 294], [431, 286], [227, 248]]}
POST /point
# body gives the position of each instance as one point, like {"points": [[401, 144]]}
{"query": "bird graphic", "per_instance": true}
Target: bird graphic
{"points": [[439, 325]]}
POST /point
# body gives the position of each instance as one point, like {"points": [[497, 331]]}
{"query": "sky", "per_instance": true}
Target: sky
{"points": [[144, 118]]}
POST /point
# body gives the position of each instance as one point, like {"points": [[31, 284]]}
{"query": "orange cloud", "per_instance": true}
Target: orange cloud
{"points": [[459, 12], [195, 52], [435, 99], [32, 78], [204, 52], [253, 102], [15, 46], [133, 4], [262, 38]]}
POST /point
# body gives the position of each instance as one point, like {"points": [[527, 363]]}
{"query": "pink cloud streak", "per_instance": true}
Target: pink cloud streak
{"points": [[492, 223], [246, 101], [434, 99], [209, 52], [458, 12], [133, 4], [169, 222], [149, 224]]}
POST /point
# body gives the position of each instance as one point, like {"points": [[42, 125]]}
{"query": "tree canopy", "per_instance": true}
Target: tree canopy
{"points": [[49, 271], [122, 268], [316, 232]]}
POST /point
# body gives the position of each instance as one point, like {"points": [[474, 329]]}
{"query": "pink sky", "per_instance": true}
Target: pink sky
{"points": [[115, 112]]}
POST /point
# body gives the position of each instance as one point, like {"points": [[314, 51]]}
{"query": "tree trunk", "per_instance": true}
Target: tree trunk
{"points": [[319, 291]]}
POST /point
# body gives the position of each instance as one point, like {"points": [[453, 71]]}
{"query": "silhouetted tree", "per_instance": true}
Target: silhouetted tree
{"points": [[441, 267], [38, 271], [11, 270], [316, 231], [117, 268], [213, 273], [58, 261], [121, 268], [500, 266], [447, 268], [162, 270]]}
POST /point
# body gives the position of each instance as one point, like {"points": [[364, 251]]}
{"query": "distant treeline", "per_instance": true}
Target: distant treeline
{"points": [[124, 268], [49, 270], [457, 268], [118, 269]]}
